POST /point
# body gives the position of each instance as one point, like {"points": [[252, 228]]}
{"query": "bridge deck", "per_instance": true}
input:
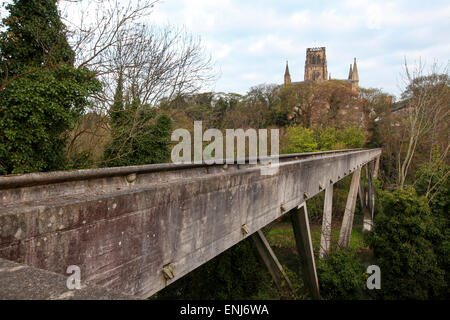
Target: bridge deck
{"points": [[122, 226]]}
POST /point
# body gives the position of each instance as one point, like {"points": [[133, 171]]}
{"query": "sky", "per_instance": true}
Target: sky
{"points": [[250, 41]]}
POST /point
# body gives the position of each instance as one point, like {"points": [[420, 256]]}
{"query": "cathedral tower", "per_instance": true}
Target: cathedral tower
{"points": [[316, 65], [316, 69]]}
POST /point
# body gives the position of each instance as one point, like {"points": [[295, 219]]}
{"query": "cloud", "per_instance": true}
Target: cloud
{"points": [[251, 40]]}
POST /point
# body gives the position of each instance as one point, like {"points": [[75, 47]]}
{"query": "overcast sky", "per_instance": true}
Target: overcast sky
{"points": [[251, 40]]}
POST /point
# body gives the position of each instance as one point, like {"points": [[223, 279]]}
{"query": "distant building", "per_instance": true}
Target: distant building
{"points": [[316, 69]]}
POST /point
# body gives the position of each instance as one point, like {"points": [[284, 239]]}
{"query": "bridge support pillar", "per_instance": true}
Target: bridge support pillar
{"points": [[302, 233], [347, 222], [325, 239], [271, 261], [374, 176], [368, 198]]}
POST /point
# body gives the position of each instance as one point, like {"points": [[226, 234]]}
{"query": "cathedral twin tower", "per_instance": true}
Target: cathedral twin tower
{"points": [[316, 69]]}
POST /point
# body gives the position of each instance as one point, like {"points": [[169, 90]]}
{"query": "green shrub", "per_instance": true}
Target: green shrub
{"points": [[36, 113], [341, 276], [330, 138], [406, 240], [300, 139]]}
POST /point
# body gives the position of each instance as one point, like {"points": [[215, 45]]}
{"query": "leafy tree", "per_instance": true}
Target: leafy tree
{"points": [[41, 95], [327, 138], [330, 138], [36, 112], [433, 183], [341, 276], [405, 243], [140, 134], [300, 139], [352, 137]]}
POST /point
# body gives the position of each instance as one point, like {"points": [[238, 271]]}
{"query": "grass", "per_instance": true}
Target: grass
{"points": [[281, 235]]}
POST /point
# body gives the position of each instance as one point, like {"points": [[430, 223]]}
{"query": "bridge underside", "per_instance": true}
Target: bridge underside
{"points": [[137, 229]]}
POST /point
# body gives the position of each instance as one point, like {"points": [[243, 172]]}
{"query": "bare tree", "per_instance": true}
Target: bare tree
{"points": [[158, 63], [427, 104], [113, 37]]}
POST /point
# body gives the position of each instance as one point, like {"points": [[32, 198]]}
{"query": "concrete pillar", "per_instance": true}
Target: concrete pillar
{"points": [[368, 223], [325, 239], [271, 261], [365, 197], [347, 222], [374, 177], [300, 225], [372, 168]]}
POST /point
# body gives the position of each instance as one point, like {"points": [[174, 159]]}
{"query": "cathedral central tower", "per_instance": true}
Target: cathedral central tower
{"points": [[316, 65], [316, 69]]}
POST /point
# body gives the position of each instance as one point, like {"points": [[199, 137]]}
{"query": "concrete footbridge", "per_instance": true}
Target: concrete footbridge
{"points": [[134, 230]]}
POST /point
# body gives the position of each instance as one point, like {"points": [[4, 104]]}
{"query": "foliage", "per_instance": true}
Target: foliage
{"points": [[300, 139], [141, 140], [82, 160], [341, 276], [329, 138], [140, 133], [41, 95], [235, 274], [432, 181], [405, 241], [34, 37], [352, 137], [299, 292], [36, 112]]}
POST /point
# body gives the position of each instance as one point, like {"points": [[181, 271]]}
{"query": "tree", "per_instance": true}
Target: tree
{"points": [[433, 183], [341, 276], [299, 139], [406, 241], [140, 134], [427, 101], [42, 94], [330, 138], [35, 38], [113, 37]]}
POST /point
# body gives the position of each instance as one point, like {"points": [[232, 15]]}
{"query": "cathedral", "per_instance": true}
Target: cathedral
{"points": [[316, 69]]}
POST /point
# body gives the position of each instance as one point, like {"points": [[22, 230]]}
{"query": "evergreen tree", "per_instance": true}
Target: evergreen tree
{"points": [[35, 37], [42, 94], [140, 134], [117, 109]]}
